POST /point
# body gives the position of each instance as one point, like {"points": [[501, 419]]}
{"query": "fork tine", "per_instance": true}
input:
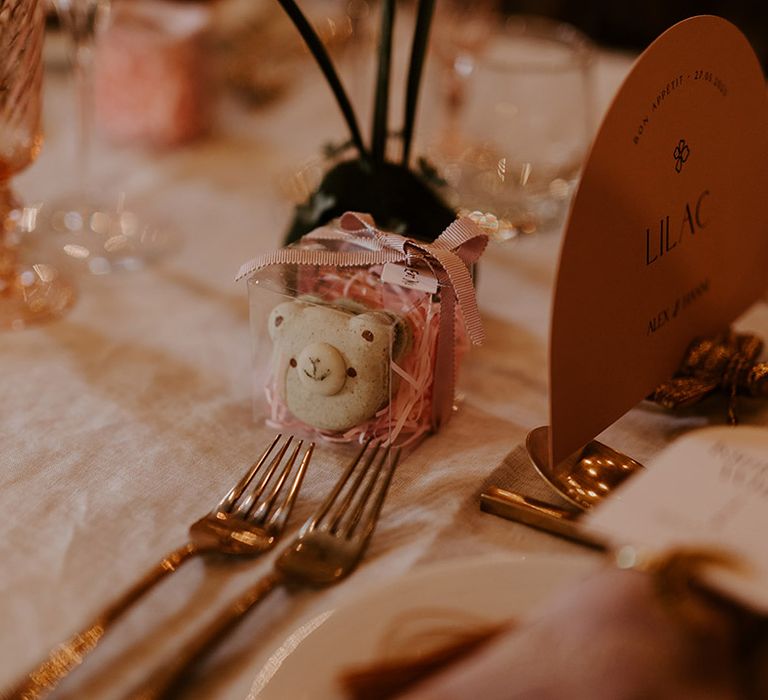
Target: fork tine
{"points": [[326, 506], [342, 508], [266, 502], [373, 514], [278, 519], [353, 520], [244, 507], [226, 503]]}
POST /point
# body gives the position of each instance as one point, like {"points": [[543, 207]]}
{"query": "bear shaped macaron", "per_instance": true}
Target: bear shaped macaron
{"points": [[331, 361]]}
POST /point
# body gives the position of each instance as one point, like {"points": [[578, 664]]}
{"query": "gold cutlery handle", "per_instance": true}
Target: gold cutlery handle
{"points": [[166, 681], [543, 516], [66, 656]]}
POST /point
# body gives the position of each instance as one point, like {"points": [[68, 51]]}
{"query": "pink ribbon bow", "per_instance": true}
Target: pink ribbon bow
{"points": [[449, 257]]}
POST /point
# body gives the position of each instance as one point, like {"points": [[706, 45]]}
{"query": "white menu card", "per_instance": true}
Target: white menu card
{"points": [[709, 489]]}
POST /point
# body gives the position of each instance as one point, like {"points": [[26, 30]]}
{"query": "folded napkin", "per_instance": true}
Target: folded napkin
{"points": [[615, 635]]}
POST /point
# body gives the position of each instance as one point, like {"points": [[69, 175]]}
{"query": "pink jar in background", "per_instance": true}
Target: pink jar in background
{"points": [[151, 83]]}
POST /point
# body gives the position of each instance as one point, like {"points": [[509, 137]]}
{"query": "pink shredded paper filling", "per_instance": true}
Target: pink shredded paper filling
{"points": [[407, 418]]}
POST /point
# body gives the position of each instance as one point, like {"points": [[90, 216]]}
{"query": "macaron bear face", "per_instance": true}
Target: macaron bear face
{"points": [[331, 362]]}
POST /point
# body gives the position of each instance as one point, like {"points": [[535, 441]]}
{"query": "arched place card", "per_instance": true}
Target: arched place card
{"points": [[667, 237]]}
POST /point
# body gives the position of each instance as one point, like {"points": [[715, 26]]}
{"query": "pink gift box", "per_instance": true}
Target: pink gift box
{"points": [[150, 73]]}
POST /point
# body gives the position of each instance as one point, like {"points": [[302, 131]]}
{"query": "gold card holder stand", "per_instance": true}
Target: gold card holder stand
{"points": [[587, 476], [584, 479], [727, 362]]}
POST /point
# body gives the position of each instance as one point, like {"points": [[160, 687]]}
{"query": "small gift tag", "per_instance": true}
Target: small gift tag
{"points": [[409, 277]]}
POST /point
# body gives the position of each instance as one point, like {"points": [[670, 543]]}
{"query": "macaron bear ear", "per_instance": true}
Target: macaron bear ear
{"points": [[281, 316], [373, 326]]}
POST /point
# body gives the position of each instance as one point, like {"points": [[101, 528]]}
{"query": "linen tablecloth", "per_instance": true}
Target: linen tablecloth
{"points": [[123, 422]]}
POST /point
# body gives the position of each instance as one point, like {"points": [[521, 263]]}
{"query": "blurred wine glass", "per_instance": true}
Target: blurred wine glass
{"points": [[517, 120], [460, 31], [30, 292], [98, 233]]}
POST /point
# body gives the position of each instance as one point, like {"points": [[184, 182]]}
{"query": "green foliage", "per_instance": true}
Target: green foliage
{"points": [[315, 45]]}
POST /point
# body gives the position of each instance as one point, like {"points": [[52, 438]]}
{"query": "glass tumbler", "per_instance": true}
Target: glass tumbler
{"points": [[517, 121]]}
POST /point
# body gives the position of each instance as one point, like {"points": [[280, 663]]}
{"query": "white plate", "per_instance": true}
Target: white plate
{"points": [[462, 594]]}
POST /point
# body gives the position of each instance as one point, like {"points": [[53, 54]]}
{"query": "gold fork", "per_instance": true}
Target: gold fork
{"points": [[327, 548], [241, 524]]}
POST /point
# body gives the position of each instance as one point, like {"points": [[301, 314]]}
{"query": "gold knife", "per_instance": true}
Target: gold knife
{"points": [[543, 516]]}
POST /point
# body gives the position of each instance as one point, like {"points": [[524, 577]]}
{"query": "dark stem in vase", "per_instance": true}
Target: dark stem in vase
{"points": [[315, 45], [418, 53], [381, 104]]}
